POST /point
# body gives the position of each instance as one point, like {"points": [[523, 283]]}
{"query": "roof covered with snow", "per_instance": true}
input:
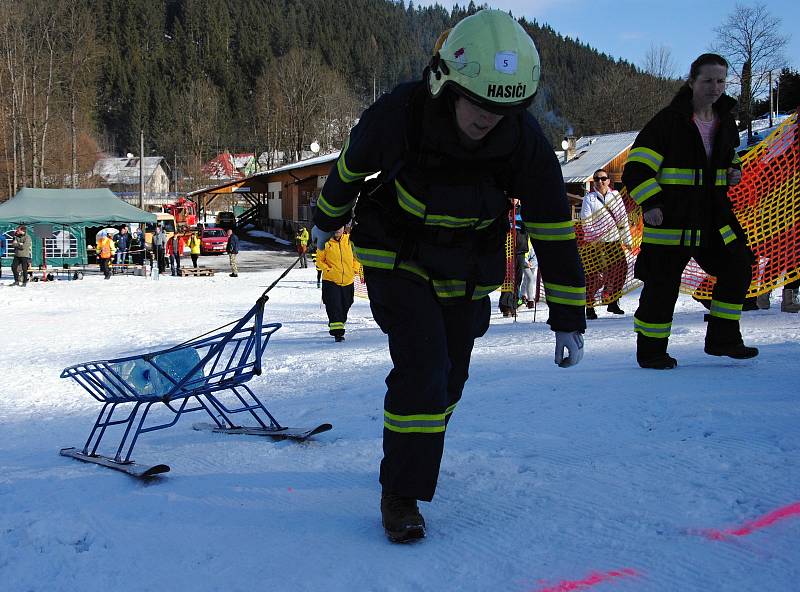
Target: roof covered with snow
{"points": [[125, 171], [304, 163], [595, 152]]}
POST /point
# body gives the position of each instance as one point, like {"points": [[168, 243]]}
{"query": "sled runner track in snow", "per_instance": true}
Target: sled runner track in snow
{"points": [[283, 433], [150, 392]]}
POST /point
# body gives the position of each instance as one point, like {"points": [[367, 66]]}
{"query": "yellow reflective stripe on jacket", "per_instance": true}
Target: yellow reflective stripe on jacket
{"points": [[552, 231], [449, 221], [722, 177], [408, 202], [333, 211], [645, 190], [481, 291], [375, 257], [661, 236], [725, 310], [423, 423], [559, 294], [345, 174], [449, 288], [413, 268], [645, 156], [673, 176], [656, 330], [728, 235]]}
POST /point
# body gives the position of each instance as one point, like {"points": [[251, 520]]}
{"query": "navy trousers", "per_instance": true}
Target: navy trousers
{"points": [[430, 344], [338, 300]]}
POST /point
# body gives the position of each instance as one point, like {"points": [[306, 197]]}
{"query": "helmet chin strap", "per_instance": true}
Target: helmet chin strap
{"points": [[438, 66]]}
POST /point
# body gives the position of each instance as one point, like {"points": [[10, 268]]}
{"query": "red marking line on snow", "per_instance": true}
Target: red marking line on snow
{"points": [[591, 580], [750, 527]]}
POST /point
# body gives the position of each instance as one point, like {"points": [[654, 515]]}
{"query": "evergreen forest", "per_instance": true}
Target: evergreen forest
{"points": [[81, 79]]}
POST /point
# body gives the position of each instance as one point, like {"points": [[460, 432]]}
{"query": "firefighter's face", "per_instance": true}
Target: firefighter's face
{"points": [[473, 121], [709, 84]]}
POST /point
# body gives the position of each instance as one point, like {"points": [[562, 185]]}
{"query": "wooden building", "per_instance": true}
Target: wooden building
{"points": [[279, 199], [608, 152]]}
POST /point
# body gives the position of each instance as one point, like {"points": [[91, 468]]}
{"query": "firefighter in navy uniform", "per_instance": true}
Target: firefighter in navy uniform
{"points": [[679, 170], [451, 150]]}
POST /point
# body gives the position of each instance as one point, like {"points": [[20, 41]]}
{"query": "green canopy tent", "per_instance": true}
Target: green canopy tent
{"points": [[67, 212]]}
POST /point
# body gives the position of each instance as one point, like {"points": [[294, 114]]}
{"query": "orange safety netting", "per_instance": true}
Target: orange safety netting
{"points": [[607, 259], [359, 282], [510, 281], [766, 203]]}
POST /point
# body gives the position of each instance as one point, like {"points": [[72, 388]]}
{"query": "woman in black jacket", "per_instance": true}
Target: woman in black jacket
{"points": [[679, 171]]}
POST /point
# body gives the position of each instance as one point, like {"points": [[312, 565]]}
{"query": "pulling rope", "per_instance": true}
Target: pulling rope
{"points": [[261, 301]]}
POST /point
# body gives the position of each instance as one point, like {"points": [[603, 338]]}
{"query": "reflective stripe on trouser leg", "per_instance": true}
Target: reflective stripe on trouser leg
{"points": [[660, 270], [338, 300], [430, 345]]}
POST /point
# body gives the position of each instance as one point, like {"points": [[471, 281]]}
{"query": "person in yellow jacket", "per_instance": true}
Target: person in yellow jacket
{"points": [[301, 244], [105, 251], [336, 263], [194, 243]]}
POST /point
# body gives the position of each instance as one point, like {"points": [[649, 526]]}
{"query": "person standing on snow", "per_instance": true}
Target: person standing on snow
{"points": [[452, 149], [159, 244], [175, 246], [232, 249], [336, 263], [679, 170], [105, 252], [122, 242], [23, 249], [194, 243], [608, 229], [301, 245]]}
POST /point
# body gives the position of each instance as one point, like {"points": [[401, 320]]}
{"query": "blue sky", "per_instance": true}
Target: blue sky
{"points": [[626, 28]]}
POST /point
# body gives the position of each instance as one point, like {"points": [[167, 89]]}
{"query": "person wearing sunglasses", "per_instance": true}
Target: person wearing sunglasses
{"points": [[606, 224], [451, 151], [678, 171]]}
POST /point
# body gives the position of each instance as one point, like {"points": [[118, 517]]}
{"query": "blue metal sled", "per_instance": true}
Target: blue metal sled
{"points": [[206, 374]]}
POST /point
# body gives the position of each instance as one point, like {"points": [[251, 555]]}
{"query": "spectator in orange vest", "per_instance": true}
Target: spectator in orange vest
{"points": [[105, 251]]}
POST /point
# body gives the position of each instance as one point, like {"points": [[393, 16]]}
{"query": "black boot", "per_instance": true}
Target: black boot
{"points": [[724, 339], [614, 308], [401, 518], [590, 314], [652, 353]]}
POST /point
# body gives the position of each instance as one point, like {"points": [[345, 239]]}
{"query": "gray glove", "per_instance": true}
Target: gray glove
{"points": [[573, 341], [319, 237]]}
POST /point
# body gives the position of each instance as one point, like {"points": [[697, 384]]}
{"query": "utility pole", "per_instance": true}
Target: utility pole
{"points": [[141, 170], [770, 98]]}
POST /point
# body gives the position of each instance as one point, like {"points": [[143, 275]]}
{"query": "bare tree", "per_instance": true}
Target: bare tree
{"points": [[269, 119], [658, 62], [338, 112], [81, 52], [197, 111], [298, 80], [751, 41]]}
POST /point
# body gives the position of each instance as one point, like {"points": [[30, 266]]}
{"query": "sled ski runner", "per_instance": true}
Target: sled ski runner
{"points": [[151, 391], [299, 434], [131, 468]]}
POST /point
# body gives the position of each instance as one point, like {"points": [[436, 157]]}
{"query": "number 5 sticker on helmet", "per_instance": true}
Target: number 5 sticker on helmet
{"points": [[506, 62]]}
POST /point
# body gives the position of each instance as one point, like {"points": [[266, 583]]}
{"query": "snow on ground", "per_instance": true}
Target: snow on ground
{"points": [[602, 477]]}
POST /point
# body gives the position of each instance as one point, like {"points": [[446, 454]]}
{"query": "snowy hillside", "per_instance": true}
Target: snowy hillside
{"points": [[602, 477]]}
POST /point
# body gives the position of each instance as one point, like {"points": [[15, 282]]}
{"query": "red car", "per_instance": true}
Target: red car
{"points": [[213, 240]]}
